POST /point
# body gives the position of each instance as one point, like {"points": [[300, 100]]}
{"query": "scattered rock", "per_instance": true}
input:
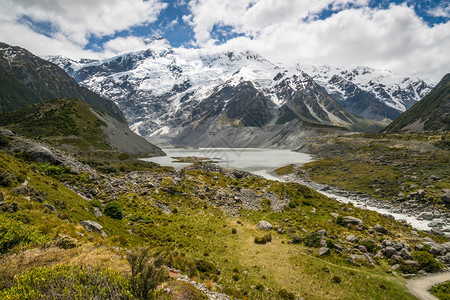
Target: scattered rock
{"points": [[264, 225], [381, 229], [353, 221], [49, 206], [389, 251], [97, 212], [324, 251], [426, 215], [351, 238], [93, 226]]}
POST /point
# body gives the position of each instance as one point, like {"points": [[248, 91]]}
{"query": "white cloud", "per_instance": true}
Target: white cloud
{"points": [[74, 21], [440, 11], [288, 31]]}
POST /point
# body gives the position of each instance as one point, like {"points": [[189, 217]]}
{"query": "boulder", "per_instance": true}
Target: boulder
{"points": [[322, 232], [353, 221], [380, 228], [93, 226], [446, 197], [264, 225], [49, 206], [389, 251], [324, 251], [361, 258], [426, 215], [351, 238], [97, 212]]}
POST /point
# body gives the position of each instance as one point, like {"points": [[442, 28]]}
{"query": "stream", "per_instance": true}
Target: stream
{"points": [[262, 162]]}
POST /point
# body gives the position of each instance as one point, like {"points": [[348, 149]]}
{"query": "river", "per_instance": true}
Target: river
{"points": [[261, 162]]}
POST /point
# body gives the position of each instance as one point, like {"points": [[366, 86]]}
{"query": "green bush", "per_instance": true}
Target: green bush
{"points": [[4, 141], [69, 282], [441, 291], [6, 178], [426, 261], [312, 239], [330, 243], [14, 233], [233, 230], [147, 273], [296, 239], [204, 266], [114, 210], [283, 294], [370, 245], [260, 240], [336, 279], [340, 220]]}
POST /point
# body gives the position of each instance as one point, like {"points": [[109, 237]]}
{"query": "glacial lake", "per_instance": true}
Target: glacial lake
{"points": [[257, 161], [260, 162]]}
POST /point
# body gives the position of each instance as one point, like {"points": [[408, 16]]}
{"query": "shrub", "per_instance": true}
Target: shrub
{"points": [[235, 277], [426, 261], [14, 233], [4, 141], [336, 279], [370, 245], [313, 239], [330, 243], [204, 266], [69, 282], [283, 294], [340, 220], [114, 210], [146, 273], [296, 239], [259, 287], [260, 240], [6, 179], [233, 230], [441, 291], [268, 237]]}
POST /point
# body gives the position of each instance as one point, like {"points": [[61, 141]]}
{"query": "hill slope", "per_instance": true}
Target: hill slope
{"points": [[26, 79], [430, 113], [77, 125]]}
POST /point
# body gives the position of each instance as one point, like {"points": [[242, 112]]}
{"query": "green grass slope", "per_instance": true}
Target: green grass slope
{"points": [[71, 122], [432, 113]]}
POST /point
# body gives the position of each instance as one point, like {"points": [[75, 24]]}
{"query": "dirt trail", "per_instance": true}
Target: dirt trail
{"points": [[420, 286]]}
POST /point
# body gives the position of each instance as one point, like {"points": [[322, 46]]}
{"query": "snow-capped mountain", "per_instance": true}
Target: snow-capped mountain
{"points": [[370, 93], [168, 92]]}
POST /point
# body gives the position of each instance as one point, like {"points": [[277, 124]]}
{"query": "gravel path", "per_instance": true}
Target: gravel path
{"points": [[420, 286]]}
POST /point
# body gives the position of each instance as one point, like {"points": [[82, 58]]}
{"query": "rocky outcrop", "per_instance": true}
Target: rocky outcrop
{"points": [[93, 226], [264, 225]]}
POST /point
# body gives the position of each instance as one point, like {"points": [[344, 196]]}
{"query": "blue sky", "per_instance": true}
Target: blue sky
{"points": [[410, 37]]}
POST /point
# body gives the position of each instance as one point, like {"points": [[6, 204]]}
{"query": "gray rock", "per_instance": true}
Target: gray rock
{"points": [[6, 132], [97, 212], [395, 267], [405, 254], [49, 206], [264, 225], [93, 226], [353, 221], [381, 229], [389, 251], [385, 243], [446, 198], [351, 238], [324, 251], [322, 232], [361, 258], [446, 258], [41, 154], [426, 215], [436, 231], [412, 263], [435, 248]]}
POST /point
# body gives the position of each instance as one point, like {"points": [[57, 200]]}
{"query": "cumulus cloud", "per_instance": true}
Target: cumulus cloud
{"points": [[441, 11], [394, 38], [75, 21]]}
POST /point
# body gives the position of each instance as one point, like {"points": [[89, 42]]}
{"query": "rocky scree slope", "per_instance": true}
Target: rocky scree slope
{"points": [[161, 91]]}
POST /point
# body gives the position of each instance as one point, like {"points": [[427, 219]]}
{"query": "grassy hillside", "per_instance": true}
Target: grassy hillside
{"points": [[27, 79], [194, 219], [75, 126], [433, 111]]}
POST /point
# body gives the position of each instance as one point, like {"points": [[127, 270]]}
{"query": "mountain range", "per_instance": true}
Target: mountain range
{"points": [[240, 99]]}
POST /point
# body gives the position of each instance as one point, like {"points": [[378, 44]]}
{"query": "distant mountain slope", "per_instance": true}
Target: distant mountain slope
{"points": [[430, 113], [370, 93], [77, 125], [26, 79]]}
